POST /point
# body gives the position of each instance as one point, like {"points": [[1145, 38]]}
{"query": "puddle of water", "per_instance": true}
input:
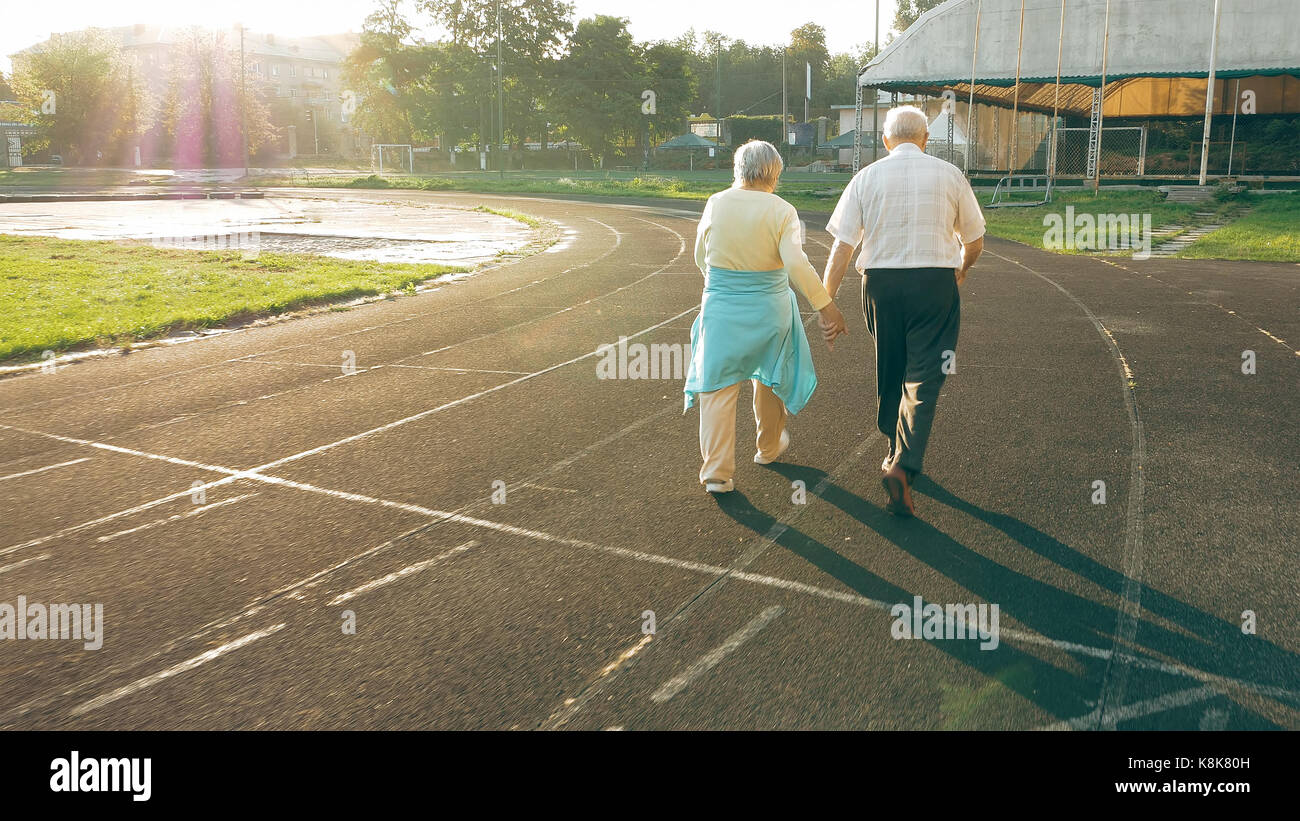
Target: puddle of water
{"points": [[378, 232]]}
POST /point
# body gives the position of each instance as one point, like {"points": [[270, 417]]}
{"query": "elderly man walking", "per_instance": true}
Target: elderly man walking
{"points": [[921, 230]]}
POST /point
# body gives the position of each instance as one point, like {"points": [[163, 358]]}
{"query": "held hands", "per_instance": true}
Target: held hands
{"points": [[832, 324]]}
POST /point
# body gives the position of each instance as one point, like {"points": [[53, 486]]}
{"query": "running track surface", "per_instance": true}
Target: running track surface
{"points": [[230, 501]]}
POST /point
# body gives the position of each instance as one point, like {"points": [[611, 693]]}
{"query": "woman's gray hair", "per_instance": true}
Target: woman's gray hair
{"points": [[757, 162], [906, 122]]}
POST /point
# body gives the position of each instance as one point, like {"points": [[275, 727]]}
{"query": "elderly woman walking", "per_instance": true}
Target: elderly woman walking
{"points": [[750, 249]]}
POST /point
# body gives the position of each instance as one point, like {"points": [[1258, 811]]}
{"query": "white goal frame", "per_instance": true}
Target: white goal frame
{"points": [[377, 156]]}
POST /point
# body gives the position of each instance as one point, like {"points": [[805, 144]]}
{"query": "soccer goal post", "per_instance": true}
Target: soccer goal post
{"points": [[389, 156]]}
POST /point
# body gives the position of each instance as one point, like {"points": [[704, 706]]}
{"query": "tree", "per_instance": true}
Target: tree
{"points": [[598, 91], [381, 71], [910, 10], [201, 111], [667, 69], [83, 98], [533, 35], [808, 48]]}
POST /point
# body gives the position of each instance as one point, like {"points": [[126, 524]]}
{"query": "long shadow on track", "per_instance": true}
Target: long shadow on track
{"points": [[1214, 646]]}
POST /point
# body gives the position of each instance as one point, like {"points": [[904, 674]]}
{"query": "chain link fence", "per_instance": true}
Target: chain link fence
{"points": [[1122, 152]]}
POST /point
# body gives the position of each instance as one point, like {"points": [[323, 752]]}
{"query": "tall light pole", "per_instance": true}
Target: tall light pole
{"points": [[243, 99], [501, 116], [1209, 94], [875, 98], [1101, 100]]}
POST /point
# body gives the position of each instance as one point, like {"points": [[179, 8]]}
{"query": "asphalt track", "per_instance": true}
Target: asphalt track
{"points": [[321, 493]]}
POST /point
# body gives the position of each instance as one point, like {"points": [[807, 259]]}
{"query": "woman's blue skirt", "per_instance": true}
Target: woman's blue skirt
{"points": [[749, 328]]}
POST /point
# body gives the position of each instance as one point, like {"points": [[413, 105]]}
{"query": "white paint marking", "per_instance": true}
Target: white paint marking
{"points": [[17, 565], [175, 670], [42, 470], [176, 518], [715, 656], [400, 574], [455, 403], [1114, 715], [68, 531]]}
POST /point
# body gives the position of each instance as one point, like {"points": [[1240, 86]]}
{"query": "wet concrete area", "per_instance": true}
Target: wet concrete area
{"points": [[377, 231]]}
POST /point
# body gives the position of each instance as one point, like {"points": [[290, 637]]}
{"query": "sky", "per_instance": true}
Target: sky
{"points": [[848, 23]]}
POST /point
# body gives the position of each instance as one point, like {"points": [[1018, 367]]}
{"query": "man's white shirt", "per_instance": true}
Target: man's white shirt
{"points": [[909, 210]]}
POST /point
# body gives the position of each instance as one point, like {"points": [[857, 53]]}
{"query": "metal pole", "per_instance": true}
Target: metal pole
{"points": [[501, 109], [243, 99], [784, 107], [1232, 143], [857, 126], [970, 106], [875, 99], [1015, 104], [1209, 94], [1101, 105], [1056, 103]]}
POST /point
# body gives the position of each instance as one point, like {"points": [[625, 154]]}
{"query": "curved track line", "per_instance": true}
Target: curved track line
{"points": [[1115, 678]]}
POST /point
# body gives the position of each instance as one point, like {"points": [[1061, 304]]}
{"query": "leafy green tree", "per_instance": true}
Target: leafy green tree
{"points": [[598, 91], [82, 97], [910, 10], [380, 74], [668, 73], [201, 110], [533, 36], [808, 48]]}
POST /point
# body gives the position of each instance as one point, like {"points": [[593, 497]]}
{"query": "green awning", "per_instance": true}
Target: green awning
{"points": [[688, 140]]}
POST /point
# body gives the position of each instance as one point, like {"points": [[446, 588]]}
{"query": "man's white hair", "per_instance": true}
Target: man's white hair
{"points": [[757, 161], [906, 122]]}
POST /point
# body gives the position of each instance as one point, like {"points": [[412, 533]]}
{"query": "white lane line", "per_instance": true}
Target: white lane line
{"points": [[174, 670], [128, 451], [733, 571], [401, 574], [1223, 308], [291, 364], [176, 518], [42, 470], [681, 249], [1111, 716], [1129, 613], [68, 531], [455, 370], [455, 403], [19, 564], [715, 656]]}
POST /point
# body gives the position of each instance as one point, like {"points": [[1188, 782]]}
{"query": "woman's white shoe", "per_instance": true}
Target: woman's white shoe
{"points": [[759, 459], [720, 487]]}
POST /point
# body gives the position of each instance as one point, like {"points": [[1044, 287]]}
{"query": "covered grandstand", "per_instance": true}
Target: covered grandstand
{"points": [[1066, 87]]}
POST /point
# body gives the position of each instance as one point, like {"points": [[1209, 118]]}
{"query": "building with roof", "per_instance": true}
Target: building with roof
{"points": [[300, 78], [1098, 62]]}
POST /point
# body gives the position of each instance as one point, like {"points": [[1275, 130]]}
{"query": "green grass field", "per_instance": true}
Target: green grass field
{"points": [[64, 294], [1263, 235], [1270, 231], [811, 192]]}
